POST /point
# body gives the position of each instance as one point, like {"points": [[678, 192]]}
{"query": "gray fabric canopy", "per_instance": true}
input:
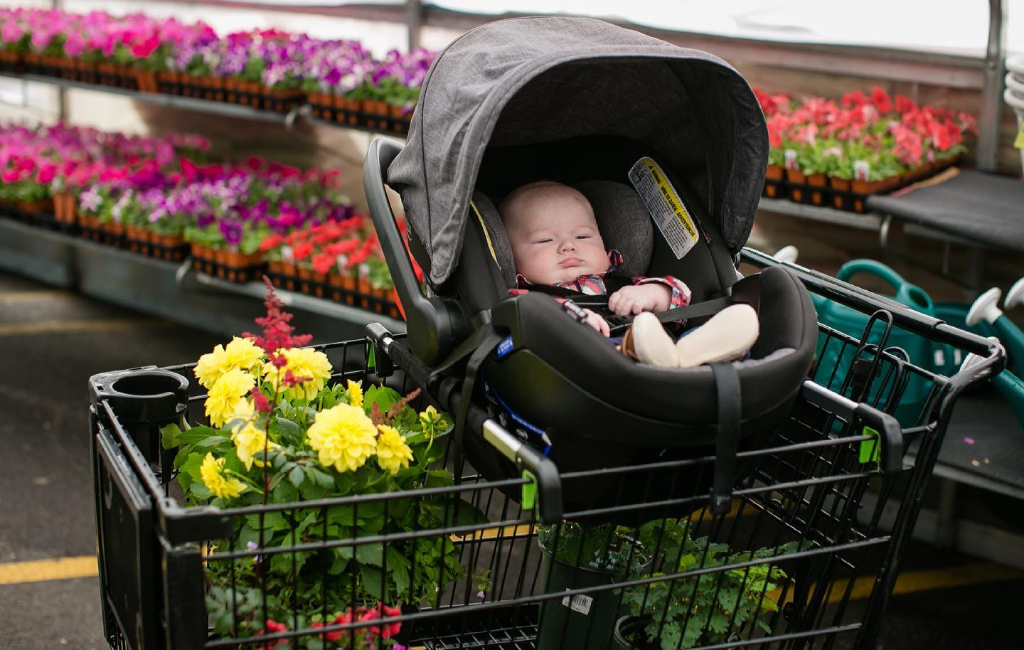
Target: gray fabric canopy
{"points": [[533, 80]]}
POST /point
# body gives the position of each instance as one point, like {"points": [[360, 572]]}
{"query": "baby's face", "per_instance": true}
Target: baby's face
{"points": [[555, 239]]}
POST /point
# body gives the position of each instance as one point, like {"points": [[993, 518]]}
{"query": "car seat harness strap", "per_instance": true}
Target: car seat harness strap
{"points": [[727, 388]]}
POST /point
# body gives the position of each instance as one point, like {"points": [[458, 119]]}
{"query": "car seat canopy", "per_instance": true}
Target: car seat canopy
{"points": [[575, 78]]}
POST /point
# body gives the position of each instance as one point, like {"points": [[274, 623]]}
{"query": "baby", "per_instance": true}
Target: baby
{"points": [[555, 241]]}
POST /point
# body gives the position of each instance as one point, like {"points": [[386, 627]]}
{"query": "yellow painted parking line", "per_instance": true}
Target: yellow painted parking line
{"points": [[60, 327], [64, 568], [910, 582], [20, 296]]}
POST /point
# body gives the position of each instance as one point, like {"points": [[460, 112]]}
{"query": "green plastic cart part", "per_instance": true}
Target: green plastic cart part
{"points": [[371, 362], [869, 448], [529, 500]]}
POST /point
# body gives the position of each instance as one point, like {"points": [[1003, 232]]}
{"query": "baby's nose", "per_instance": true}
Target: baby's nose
{"points": [[568, 245]]}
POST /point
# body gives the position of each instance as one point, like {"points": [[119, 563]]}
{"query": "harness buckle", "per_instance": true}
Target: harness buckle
{"points": [[575, 311]]}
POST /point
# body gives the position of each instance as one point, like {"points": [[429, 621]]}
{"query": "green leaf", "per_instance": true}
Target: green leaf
{"points": [[285, 492], [320, 477], [372, 581], [296, 476], [169, 436], [372, 554], [287, 427], [210, 442], [191, 466]]}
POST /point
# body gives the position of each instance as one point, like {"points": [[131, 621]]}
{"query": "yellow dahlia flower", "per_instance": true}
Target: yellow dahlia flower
{"points": [[244, 354], [344, 437], [304, 363], [212, 473], [222, 400], [355, 393], [240, 353], [249, 438], [392, 452]]}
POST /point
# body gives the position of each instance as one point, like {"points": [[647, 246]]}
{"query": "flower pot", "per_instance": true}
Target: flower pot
{"points": [[167, 82], [281, 100], [348, 111], [11, 61], [861, 189], [399, 118], [321, 105], [348, 287], [817, 183], [376, 114], [773, 181], [43, 205], [583, 621], [305, 276], [239, 267], [146, 81], [796, 179], [626, 629], [841, 186], [364, 291], [250, 93], [87, 72]]}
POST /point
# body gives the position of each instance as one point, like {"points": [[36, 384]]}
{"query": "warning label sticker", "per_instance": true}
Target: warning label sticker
{"points": [[666, 208], [578, 603]]}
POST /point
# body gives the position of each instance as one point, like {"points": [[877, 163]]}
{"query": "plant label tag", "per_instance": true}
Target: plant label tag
{"points": [[861, 169], [790, 155], [578, 603], [287, 255], [1019, 142], [665, 207], [341, 261]]}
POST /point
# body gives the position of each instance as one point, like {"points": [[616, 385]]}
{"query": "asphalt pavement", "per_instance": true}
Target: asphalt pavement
{"points": [[52, 341]]}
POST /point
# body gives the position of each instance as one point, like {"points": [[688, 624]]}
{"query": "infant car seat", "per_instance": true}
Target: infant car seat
{"points": [[670, 147]]}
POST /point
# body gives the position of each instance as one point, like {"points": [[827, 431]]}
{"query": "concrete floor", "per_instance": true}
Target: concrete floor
{"points": [[52, 341]]}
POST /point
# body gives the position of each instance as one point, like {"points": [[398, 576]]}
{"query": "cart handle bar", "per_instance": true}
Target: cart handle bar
{"points": [[903, 316]]}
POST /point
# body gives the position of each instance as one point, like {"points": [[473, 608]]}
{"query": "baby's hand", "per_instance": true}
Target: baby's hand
{"points": [[598, 323], [640, 297]]}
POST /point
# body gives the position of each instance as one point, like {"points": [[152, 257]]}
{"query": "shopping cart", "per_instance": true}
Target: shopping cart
{"points": [[807, 557]]}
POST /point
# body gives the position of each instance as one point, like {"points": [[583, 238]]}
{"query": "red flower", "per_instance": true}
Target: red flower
{"points": [[260, 401], [46, 174], [254, 163], [271, 241], [322, 262], [302, 250], [881, 100], [905, 104], [854, 99], [188, 168]]}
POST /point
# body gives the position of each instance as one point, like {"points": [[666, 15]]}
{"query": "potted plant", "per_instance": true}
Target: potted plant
{"points": [[281, 432], [577, 556], [708, 608]]}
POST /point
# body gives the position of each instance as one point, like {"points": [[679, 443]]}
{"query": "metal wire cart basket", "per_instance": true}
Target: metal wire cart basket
{"points": [[807, 557]]}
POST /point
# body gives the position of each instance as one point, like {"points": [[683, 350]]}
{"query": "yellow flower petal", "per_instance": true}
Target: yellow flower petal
{"points": [[344, 437], [355, 393], [212, 474], [392, 452]]}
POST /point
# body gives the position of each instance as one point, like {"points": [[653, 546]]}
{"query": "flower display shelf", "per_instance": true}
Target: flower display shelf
{"points": [[361, 119], [348, 289], [840, 194]]}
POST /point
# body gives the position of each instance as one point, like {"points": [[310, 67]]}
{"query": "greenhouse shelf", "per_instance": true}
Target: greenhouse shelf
{"points": [[169, 290], [160, 99], [200, 105], [865, 221]]}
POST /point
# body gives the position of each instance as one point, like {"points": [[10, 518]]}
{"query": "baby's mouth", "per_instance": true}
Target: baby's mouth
{"points": [[570, 262]]}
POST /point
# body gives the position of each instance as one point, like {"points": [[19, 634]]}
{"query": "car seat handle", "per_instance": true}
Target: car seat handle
{"points": [[433, 323]]}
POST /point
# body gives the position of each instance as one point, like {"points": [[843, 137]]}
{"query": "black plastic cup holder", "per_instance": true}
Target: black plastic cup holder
{"points": [[145, 400]]}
